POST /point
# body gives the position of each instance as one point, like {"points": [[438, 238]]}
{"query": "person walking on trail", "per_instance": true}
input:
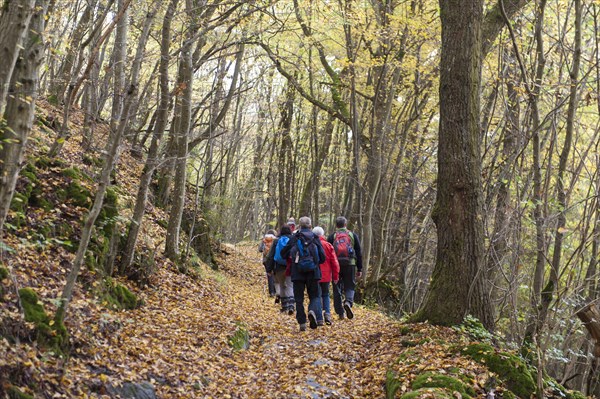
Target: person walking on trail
{"points": [[264, 247], [280, 269], [330, 270], [306, 252], [292, 223], [347, 248]]}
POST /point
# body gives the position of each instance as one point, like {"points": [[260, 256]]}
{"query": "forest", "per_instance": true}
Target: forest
{"points": [[459, 139]]}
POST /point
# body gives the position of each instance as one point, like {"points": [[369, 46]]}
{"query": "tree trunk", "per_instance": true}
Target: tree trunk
{"points": [[120, 50], [14, 21], [20, 108], [459, 287], [181, 136], [552, 285], [153, 152], [285, 171], [112, 155]]}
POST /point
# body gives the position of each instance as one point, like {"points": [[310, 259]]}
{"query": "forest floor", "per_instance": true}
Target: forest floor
{"points": [[182, 337], [180, 341]]}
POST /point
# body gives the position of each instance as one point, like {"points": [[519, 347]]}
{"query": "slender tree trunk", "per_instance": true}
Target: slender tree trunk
{"points": [[538, 279], [511, 132], [14, 22], [181, 135], [286, 111], [65, 73], [112, 155], [459, 286], [119, 60], [153, 152], [20, 108], [552, 285]]}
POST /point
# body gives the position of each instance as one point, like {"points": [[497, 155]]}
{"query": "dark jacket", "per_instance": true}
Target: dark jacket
{"points": [[356, 247], [288, 251]]}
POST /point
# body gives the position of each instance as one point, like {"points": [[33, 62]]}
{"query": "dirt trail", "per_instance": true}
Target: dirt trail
{"points": [[179, 342]]}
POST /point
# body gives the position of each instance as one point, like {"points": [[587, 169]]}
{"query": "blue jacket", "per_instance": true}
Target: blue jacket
{"points": [[287, 251]]}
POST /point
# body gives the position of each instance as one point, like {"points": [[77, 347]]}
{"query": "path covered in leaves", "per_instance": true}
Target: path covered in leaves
{"points": [[179, 341]]}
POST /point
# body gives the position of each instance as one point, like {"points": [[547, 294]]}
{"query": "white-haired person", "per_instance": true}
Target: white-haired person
{"points": [[330, 269]]}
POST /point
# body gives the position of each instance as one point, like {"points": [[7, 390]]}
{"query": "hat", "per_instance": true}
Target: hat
{"points": [[291, 221]]}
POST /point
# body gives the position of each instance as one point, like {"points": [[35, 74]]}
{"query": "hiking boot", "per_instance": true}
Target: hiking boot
{"points": [[342, 316], [290, 310], [303, 327], [277, 299], [320, 323], [327, 318], [348, 309], [312, 319]]}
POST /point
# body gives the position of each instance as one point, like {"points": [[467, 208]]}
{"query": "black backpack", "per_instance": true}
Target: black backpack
{"points": [[306, 255]]}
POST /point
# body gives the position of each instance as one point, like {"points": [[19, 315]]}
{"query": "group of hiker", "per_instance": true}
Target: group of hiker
{"points": [[302, 259]]}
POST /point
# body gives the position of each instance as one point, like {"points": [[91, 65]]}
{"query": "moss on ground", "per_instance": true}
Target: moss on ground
{"points": [[509, 367], [15, 393], [119, 296], [431, 393], [3, 273], [434, 380], [240, 340], [51, 334]]}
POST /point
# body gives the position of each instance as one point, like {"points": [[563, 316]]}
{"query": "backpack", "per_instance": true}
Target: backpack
{"points": [[282, 242], [307, 255], [343, 244]]}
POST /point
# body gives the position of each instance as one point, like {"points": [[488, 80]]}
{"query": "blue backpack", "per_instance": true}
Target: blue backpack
{"points": [[282, 242], [307, 255]]}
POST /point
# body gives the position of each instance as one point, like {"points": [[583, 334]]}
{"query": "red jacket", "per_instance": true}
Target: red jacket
{"points": [[331, 267]]}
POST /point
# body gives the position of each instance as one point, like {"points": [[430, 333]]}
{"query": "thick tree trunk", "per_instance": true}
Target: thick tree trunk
{"points": [[20, 108], [458, 286], [14, 21]]}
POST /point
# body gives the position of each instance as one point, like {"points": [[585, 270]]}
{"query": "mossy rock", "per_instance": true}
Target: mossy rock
{"points": [[30, 173], [119, 296], [560, 391], [434, 380], [97, 252], [162, 223], [509, 367], [110, 210], [19, 202], [51, 334], [45, 162], [75, 174], [3, 273], [16, 393], [53, 99], [78, 195], [431, 393], [92, 161]]}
